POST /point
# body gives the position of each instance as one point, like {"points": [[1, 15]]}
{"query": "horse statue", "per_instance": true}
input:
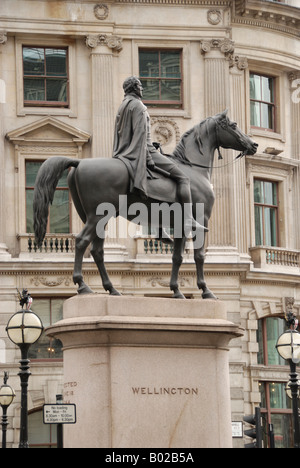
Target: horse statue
{"points": [[101, 181]]}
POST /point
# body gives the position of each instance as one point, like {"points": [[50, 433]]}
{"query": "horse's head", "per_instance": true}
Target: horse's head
{"points": [[230, 136]]}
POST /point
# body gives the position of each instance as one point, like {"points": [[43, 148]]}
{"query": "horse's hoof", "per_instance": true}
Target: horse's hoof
{"points": [[209, 295], [114, 292], [84, 289], [178, 295]]}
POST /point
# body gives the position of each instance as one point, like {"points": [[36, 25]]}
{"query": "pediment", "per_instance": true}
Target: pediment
{"points": [[48, 130]]}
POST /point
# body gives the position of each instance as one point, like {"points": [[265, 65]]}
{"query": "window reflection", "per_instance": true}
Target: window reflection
{"points": [[266, 212], [161, 77], [276, 409], [269, 329], [50, 311], [262, 101], [45, 76]]}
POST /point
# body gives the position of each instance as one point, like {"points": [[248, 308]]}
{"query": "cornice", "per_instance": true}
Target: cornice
{"points": [[181, 2], [260, 277], [177, 2], [263, 159], [268, 6], [266, 14]]}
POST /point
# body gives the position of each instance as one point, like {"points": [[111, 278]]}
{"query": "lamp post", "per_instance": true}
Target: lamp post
{"points": [[288, 346], [7, 395], [288, 390], [24, 329]]}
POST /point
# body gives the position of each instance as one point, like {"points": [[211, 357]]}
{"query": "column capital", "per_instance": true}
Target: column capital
{"points": [[3, 37], [112, 42], [294, 75], [238, 62], [219, 46]]}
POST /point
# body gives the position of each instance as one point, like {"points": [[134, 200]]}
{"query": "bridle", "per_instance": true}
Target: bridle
{"points": [[225, 126]]}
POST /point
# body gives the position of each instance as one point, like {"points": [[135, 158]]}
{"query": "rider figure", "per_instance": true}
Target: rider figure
{"points": [[133, 145]]}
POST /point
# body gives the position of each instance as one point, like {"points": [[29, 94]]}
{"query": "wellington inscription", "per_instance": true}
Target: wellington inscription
{"points": [[165, 390]]}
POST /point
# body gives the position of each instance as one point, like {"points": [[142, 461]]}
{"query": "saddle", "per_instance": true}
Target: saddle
{"points": [[160, 187]]}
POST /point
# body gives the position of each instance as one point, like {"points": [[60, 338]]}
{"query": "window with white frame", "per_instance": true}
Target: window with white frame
{"points": [[266, 212], [262, 102]]}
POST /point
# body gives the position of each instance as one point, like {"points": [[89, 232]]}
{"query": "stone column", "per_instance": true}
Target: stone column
{"points": [[103, 48], [294, 78], [297, 206], [217, 93], [222, 235], [238, 65], [3, 248]]}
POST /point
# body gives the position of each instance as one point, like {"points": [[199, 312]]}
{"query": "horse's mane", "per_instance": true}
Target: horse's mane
{"points": [[196, 133]]}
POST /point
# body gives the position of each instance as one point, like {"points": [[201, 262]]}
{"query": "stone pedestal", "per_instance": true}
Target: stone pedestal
{"points": [[146, 372]]}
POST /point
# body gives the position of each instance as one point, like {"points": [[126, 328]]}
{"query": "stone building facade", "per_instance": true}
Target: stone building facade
{"points": [[62, 65]]}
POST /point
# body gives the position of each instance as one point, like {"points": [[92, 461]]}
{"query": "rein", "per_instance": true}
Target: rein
{"points": [[241, 155], [189, 163]]}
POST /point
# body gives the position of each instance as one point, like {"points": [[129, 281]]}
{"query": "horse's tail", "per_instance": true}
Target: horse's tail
{"points": [[46, 182]]}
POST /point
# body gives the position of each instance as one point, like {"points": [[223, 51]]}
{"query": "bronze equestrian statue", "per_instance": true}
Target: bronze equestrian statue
{"points": [[135, 171], [133, 145]]}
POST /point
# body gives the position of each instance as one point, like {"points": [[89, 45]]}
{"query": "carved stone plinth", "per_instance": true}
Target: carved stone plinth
{"points": [[146, 372]]}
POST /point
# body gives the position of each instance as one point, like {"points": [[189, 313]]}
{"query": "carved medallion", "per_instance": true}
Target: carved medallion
{"points": [[165, 130], [101, 11], [214, 17]]}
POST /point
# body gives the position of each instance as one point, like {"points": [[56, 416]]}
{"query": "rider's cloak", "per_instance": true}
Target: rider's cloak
{"points": [[130, 141]]}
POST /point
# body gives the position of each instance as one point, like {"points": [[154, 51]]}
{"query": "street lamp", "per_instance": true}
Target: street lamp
{"points": [[288, 390], [7, 395], [24, 329], [288, 346]]}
